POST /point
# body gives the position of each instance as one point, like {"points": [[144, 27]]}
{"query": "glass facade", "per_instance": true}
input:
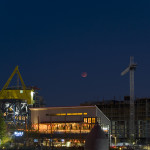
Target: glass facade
{"points": [[62, 128], [67, 128]]}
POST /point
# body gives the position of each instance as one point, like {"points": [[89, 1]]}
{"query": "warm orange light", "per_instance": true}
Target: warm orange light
{"points": [[68, 114], [74, 114], [85, 120], [61, 114], [89, 120], [93, 120]]}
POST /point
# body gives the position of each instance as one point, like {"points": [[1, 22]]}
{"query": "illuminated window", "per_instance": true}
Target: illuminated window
{"points": [[93, 120], [99, 120], [68, 114], [74, 114], [89, 120], [61, 114], [85, 120], [21, 118], [21, 91]]}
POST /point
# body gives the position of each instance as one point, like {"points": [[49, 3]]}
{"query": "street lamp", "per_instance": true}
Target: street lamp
{"points": [[115, 140], [110, 140], [51, 141]]}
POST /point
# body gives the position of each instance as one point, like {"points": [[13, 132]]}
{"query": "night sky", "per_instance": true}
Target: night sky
{"points": [[53, 42]]}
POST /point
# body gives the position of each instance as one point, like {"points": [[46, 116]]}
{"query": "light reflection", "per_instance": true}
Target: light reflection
{"points": [[55, 128]]}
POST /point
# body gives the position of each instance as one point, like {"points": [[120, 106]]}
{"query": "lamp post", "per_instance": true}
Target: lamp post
{"points": [[115, 140], [110, 139], [51, 143]]}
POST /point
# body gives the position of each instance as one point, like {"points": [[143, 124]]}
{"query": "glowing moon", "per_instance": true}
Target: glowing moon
{"points": [[84, 74]]}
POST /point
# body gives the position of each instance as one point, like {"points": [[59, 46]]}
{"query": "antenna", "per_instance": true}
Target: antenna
{"points": [[131, 68]]}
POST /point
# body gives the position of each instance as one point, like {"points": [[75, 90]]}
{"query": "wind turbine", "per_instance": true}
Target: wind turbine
{"points": [[131, 69]]}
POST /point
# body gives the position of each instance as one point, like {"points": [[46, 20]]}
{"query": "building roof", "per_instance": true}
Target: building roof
{"points": [[63, 107]]}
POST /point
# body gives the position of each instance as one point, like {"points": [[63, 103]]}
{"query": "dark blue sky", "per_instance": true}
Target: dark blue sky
{"points": [[54, 41]]}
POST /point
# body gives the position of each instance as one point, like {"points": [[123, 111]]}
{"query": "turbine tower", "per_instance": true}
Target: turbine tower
{"points": [[131, 68]]}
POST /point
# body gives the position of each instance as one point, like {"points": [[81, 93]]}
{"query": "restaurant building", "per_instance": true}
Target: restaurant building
{"points": [[67, 126]]}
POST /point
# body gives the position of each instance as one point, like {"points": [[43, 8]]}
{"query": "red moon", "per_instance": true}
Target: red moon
{"points": [[84, 74]]}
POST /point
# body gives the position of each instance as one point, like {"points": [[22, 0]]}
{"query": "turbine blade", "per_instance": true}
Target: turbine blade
{"points": [[125, 71]]}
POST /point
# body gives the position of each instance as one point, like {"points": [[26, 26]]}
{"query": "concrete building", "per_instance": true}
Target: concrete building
{"points": [[118, 111], [67, 126]]}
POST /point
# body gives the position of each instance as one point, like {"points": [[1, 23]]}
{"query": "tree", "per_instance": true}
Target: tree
{"points": [[3, 128]]}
